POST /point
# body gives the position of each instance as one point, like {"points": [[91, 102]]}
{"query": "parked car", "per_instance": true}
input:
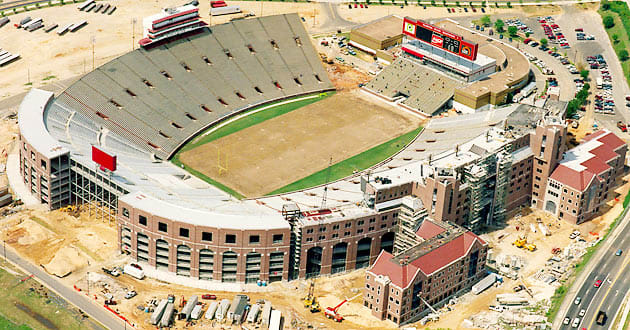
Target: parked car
{"points": [[208, 296]]}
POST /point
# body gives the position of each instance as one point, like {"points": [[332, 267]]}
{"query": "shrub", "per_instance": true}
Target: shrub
{"points": [[544, 42], [623, 54], [512, 31], [609, 22], [499, 25]]}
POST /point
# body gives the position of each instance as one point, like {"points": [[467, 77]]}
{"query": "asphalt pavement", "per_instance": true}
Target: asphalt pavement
{"points": [[612, 270], [80, 300]]}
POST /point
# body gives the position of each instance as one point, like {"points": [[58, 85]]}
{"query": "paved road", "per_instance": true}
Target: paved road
{"points": [[97, 312], [331, 20], [609, 268]]}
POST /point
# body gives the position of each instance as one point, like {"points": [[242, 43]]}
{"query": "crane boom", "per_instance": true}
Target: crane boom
{"points": [[344, 301]]}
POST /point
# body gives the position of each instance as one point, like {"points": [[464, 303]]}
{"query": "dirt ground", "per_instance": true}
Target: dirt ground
{"points": [[301, 142], [61, 243], [8, 134], [345, 77]]}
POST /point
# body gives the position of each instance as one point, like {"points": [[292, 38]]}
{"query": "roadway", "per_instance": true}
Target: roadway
{"points": [[608, 268], [80, 300]]}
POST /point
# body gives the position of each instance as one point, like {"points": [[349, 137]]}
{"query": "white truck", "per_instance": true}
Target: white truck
{"points": [[133, 271]]}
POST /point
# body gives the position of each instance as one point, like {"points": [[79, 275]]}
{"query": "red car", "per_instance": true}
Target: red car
{"points": [[209, 297], [598, 283]]}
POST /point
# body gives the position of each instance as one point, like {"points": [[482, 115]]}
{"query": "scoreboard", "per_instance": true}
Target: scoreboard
{"points": [[440, 38]]}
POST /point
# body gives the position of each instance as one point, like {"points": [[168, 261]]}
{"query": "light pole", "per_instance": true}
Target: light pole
{"points": [[133, 33], [93, 41], [4, 248]]}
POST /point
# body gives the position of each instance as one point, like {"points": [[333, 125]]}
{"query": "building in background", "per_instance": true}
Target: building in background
{"points": [[377, 36]]}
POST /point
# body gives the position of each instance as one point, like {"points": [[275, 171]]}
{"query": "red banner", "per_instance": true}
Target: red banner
{"points": [[104, 159]]}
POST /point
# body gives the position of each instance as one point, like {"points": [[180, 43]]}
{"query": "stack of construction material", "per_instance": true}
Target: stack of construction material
{"points": [[5, 196], [6, 57]]}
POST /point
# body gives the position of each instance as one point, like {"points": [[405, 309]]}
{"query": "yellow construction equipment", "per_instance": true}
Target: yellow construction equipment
{"points": [[531, 247], [310, 301], [520, 242]]}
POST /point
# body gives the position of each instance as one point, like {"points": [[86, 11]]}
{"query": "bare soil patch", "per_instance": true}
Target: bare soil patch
{"points": [[281, 150]]}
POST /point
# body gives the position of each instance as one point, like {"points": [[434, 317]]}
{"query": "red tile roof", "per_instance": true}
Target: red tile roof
{"points": [[401, 276], [572, 178], [604, 152], [428, 229], [436, 259], [594, 164], [606, 137]]}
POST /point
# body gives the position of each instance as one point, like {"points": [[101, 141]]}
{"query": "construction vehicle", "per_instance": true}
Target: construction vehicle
{"points": [[332, 312], [310, 301], [520, 242], [530, 247]]}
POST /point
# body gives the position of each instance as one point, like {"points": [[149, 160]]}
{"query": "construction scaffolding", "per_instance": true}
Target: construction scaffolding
{"points": [[96, 190], [503, 172], [411, 215]]}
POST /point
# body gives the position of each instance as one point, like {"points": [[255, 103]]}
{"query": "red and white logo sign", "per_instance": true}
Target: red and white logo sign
{"points": [[436, 40]]}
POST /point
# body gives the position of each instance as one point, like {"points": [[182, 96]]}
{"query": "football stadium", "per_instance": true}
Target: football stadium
{"points": [[224, 153]]}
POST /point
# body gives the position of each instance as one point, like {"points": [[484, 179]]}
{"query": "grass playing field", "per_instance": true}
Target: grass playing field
{"points": [[285, 149]]}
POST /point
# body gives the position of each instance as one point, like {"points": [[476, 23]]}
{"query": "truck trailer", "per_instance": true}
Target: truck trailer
{"points": [[165, 321], [275, 323], [190, 305], [158, 312], [222, 309], [212, 310]]}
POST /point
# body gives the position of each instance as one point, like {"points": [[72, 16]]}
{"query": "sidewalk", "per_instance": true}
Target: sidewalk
{"points": [[20, 190]]}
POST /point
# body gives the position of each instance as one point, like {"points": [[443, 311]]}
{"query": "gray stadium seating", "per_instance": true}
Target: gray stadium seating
{"points": [[161, 97]]}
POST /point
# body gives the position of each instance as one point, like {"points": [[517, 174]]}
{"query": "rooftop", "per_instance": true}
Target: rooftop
{"points": [[383, 28], [589, 159], [428, 257], [32, 125]]}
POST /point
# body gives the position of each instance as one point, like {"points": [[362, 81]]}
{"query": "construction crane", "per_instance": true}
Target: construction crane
{"points": [[326, 185], [310, 301], [331, 312]]}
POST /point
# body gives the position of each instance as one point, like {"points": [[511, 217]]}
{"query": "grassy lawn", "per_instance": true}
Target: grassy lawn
{"points": [[237, 125], [620, 13], [561, 291], [355, 163], [26, 305], [8, 325]]}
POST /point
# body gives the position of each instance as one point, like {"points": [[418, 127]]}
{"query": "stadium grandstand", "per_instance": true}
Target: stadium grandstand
{"points": [[445, 66], [414, 86], [160, 97]]}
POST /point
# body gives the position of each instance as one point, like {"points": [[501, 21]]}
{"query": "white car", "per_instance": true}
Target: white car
{"points": [[577, 300], [582, 312], [566, 321], [576, 322]]}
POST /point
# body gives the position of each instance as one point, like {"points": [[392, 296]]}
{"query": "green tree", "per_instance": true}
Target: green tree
{"points": [[609, 22], [623, 54], [584, 74], [444, 3], [499, 25], [605, 5], [512, 31], [483, 4], [526, 34], [544, 42], [470, 3], [457, 3], [433, 3], [486, 21], [509, 5], [615, 38]]}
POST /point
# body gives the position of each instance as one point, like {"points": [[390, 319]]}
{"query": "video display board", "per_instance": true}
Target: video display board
{"points": [[440, 38]]}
